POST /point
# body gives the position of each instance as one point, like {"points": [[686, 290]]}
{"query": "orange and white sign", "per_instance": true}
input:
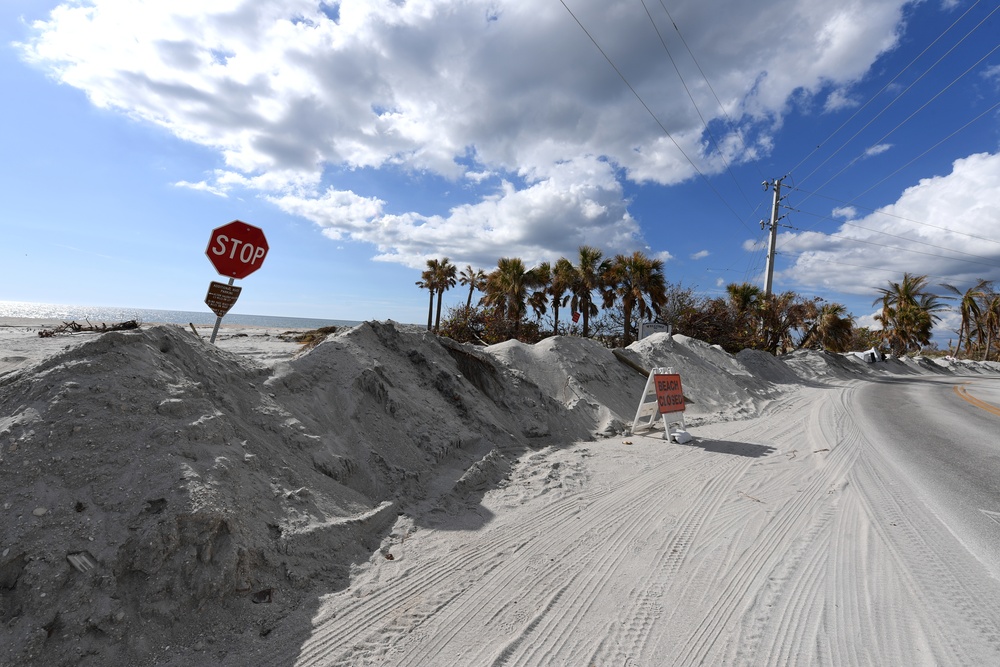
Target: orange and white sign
{"points": [[669, 395], [663, 395]]}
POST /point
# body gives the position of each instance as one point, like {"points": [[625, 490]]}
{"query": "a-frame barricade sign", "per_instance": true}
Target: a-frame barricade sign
{"points": [[662, 396]]}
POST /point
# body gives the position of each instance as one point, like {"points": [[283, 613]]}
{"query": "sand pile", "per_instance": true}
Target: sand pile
{"points": [[163, 497]]}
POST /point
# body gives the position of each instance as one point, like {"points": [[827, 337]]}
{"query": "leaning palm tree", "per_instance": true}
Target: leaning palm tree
{"points": [[444, 279], [969, 309], [474, 278], [507, 289], [632, 279], [590, 274]]}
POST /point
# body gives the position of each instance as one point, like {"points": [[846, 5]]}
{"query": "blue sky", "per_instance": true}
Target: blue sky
{"points": [[366, 136]]}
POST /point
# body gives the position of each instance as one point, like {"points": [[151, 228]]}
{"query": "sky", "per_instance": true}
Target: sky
{"points": [[365, 137]]}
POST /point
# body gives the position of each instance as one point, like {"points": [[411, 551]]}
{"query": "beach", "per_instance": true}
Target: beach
{"points": [[385, 496]]}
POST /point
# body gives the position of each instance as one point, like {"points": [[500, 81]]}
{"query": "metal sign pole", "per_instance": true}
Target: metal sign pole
{"points": [[218, 321]]}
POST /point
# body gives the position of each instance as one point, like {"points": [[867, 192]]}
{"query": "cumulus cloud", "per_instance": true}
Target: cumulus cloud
{"points": [[289, 92], [943, 227], [701, 254], [579, 203]]}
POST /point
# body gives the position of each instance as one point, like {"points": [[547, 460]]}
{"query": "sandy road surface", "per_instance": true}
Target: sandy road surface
{"points": [[944, 439], [786, 539]]}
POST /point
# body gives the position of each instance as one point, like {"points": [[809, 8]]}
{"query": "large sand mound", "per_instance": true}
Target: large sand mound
{"points": [[162, 492]]}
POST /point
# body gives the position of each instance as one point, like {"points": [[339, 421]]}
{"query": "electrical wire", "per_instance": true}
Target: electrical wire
{"points": [[687, 90], [989, 263], [859, 266], [653, 115], [732, 125], [882, 90], [900, 217], [908, 118]]}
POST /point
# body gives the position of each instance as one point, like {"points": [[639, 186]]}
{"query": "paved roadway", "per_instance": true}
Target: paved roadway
{"points": [[944, 437]]}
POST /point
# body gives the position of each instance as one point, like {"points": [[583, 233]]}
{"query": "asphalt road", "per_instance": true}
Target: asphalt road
{"points": [[943, 438]]}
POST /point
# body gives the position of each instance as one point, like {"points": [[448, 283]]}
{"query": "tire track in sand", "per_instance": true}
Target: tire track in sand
{"points": [[497, 560], [778, 544]]}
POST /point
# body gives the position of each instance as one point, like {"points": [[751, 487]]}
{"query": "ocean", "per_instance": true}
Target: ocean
{"points": [[112, 314]]}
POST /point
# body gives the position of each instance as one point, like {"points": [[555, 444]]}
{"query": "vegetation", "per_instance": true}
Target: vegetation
{"points": [[608, 298], [909, 312], [979, 329], [438, 278]]}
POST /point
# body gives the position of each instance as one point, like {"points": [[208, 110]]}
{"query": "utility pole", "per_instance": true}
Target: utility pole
{"points": [[773, 237]]}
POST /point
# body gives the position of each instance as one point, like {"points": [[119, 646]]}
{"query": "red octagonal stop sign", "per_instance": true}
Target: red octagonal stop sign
{"points": [[237, 249]]}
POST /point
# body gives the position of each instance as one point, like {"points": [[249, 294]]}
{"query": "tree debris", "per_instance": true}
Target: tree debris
{"points": [[76, 327], [311, 338]]}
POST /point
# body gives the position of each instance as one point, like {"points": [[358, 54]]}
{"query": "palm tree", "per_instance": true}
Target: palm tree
{"points": [[444, 279], [632, 279], [969, 309], [538, 300], [990, 322], [745, 305], [561, 283], [507, 289], [590, 273], [428, 282], [474, 278], [908, 314], [781, 316], [832, 330]]}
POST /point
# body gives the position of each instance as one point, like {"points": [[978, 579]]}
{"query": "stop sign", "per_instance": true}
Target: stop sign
{"points": [[237, 249]]}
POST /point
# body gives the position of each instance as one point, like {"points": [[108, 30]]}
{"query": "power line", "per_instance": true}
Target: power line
{"points": [[899, 217], [732, 125], [687, 90], [881, 90], [893, 173], [989, 263], [653, 115], [860, 266], [908, 118]]}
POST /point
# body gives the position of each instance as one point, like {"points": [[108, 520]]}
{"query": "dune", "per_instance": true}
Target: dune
{"points": [[391, 497]]}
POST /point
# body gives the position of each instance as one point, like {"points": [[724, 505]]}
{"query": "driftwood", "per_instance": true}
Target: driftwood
{"points": [[75, 327]]}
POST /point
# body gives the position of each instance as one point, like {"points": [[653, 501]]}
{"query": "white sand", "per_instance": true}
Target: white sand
{"points": [[392, 498]]}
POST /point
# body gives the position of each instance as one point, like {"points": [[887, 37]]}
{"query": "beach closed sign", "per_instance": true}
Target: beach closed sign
{"points": [[669, 394]]}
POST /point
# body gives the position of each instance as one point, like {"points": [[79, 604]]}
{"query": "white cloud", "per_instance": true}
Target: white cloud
{"points": [[284, 93], [943, 227], [701, 254], [203, 186], [848, 212], [992, 74], [579, 203], [839, 99], [663, 256], [877, 150]]}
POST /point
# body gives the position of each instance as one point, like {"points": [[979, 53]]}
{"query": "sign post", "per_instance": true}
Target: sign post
{"points": [[236, 250], [663, 395]]}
